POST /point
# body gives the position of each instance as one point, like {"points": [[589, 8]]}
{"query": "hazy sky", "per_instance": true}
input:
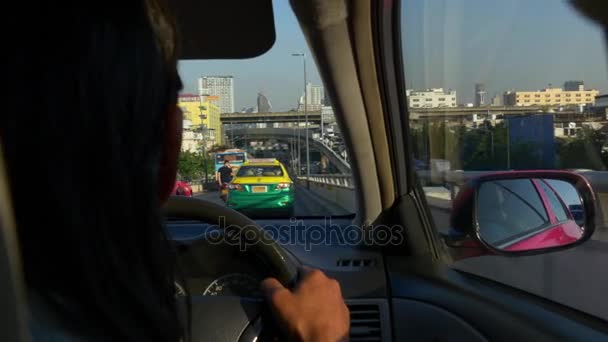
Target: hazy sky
{"points": [[514, 44]]}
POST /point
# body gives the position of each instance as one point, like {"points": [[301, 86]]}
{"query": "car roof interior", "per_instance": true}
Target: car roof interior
{"points": [[197, 19]]}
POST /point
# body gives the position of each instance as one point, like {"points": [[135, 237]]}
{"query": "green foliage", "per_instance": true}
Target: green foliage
{"points": [[216, 148], [488, 148], [583, 151], [191, 166]]}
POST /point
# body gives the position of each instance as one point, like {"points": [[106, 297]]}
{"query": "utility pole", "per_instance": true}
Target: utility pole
{"points": [[303, 55]]}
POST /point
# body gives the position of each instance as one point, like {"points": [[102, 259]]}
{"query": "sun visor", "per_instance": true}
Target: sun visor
{"points": [[226, 29]]}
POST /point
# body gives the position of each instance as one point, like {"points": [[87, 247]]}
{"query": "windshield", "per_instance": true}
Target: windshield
{"points": [[271, 107], [231, 157], [259, 171]]}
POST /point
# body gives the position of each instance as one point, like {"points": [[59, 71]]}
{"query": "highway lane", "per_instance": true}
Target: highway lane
{"points": [[577, 277], [306, 202]]}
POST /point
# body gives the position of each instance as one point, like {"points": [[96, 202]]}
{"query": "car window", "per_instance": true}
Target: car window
{"points": [[521, 210], [259, 171], [273, 106], [494, 85], [220, 158], [556, 205]]}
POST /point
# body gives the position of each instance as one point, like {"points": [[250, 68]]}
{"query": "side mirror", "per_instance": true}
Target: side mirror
{"points": [[520, 213]]}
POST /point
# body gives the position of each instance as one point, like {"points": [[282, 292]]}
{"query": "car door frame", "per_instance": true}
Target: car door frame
{"points": [[423, 274]]}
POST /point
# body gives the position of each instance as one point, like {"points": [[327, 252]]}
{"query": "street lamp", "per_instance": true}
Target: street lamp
{"points": [[303, 55]]}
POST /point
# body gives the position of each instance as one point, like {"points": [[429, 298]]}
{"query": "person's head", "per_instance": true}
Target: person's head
{"points": [[597, 11], [227, 163], [91, 135]]}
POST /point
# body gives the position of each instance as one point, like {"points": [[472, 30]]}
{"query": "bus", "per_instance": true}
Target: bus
{"points": [[236, 157]]}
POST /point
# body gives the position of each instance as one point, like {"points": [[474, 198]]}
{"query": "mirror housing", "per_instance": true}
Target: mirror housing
{"points": [[518, 213]]}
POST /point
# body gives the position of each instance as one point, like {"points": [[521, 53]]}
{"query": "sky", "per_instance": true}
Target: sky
{"points": [[451, 44]]}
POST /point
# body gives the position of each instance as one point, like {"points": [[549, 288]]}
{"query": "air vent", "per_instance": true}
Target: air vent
{"points": [[356, 263], [365, 323]]}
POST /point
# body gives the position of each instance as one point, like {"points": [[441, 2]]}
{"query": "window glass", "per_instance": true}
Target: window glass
{"points": [[510, 203], [556, 205], [518, 106], [273, 106], [259, 171]]}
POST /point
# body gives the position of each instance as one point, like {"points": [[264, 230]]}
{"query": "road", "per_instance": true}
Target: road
{"points": [[576, 277], [307, 203]]}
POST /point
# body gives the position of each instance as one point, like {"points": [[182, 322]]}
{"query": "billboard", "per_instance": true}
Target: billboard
{"points": [[532, 139]]}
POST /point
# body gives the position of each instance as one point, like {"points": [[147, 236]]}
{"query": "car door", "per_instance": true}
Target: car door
{"points": [[432, 51]]}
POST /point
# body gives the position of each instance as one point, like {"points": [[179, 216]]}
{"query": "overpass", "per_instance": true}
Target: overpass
{"points": [[426, 113], [283, 117], [289, 135]]}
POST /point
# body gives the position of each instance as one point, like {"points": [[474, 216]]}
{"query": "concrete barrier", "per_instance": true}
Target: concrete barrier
{"points": [[342, 196]]}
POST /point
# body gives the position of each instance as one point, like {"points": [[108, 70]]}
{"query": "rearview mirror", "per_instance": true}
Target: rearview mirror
{"points": [[521, 213]]}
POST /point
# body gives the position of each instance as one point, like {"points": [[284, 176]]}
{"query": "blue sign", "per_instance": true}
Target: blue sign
{"points": [[535, 130]]}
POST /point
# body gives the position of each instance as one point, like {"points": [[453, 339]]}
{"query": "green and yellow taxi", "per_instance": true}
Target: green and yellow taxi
{"points": [[261, 185]]}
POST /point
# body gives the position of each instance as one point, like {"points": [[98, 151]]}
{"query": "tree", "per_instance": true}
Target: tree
{"points": [[488, 148], [585, 151], [191, 165], [216, 148]]}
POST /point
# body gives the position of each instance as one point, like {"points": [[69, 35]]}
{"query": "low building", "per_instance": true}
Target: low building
{"points": [[565, 129], [203, 116], [431, 98], [551, 97], [601, 105], [327, 114], [192, 141]]}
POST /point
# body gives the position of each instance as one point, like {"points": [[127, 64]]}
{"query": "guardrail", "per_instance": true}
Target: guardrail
{"points": [[345, 181], [330, 148], [454, 179]]}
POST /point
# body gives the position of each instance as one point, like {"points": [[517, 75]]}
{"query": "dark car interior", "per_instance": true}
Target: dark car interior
{"points": [[402, 291]]}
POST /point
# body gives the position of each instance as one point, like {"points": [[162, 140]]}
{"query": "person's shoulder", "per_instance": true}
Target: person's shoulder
{"points": [[45, 324]]}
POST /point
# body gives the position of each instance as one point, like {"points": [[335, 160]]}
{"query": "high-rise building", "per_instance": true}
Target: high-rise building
{"points": [[326, 100], [431, 98], [220, 87], [574, 85], [480, 94], [316, 97], [264, 105], [509, 98], [497, 101]]}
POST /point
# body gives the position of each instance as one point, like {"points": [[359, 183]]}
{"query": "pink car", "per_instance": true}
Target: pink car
{"points": [[513, 214], [182, 189], [561, 228]]}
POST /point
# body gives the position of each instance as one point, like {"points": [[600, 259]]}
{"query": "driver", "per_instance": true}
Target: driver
{"points": [[91, 136]]}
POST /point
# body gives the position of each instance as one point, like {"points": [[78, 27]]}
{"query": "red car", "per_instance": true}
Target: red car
{"points": [[182, 189]]}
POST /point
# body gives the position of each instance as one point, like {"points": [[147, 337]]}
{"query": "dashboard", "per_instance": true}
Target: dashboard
{"points": [[223, 284], [212, 268]]}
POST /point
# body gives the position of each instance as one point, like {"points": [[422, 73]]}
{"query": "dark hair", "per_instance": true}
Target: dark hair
{"points": [[226, 162], [89, 87]]}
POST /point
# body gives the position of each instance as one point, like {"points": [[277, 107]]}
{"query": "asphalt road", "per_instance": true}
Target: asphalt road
{"points": [[577, 277], [307, 203]]}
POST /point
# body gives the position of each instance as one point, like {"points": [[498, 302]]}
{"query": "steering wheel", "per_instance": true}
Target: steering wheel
{"points": [[226, 318]]}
